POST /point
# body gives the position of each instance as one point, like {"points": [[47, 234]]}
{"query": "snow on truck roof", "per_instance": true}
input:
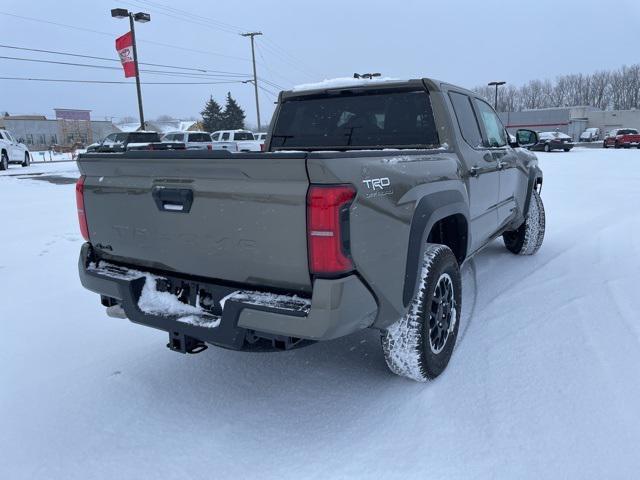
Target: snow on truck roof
{"points": [[343, 82]]}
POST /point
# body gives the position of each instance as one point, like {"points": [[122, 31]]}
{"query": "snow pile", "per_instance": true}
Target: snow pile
{"points": [[155, 302], [265, 299], [343, 82]]}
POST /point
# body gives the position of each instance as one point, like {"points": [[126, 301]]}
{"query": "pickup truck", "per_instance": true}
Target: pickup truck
{"points": [[622, 138], [139, 140], [368, 199], [12, 151], [236, 140]]}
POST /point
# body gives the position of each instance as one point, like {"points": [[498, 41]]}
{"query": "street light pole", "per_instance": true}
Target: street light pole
{"points": [[255, 75], [496, 84], [135, 62], [134, 17]]}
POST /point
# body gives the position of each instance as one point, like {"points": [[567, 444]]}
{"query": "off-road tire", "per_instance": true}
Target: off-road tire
{"points": [[527, 239], [418, 346], [27, 160], [4, 162]]}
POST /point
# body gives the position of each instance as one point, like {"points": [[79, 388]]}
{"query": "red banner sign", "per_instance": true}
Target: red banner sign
{"points": [[124, 46]]}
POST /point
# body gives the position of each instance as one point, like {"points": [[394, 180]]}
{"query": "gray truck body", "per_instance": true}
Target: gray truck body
{"points": [[243, 226]]}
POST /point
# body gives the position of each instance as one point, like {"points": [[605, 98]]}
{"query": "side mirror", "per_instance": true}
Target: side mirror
{"points": [[526, 138]]}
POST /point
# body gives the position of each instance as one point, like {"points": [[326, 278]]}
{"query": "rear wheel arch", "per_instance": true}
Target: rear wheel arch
{"points": [[442, 217]]}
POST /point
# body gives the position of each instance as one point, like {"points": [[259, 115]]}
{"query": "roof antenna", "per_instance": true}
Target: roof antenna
{"points": [[366, 75]]}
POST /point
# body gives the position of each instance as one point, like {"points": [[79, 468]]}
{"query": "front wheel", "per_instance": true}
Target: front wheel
{"points": [[420, 344], [604, 145], [566, 149], [27, 160], [527, 239], [547, 148], [4, 161]]}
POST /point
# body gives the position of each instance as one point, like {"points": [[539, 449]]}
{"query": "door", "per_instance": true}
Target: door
{"points": [[483, 177], [497, 145], [15, 152]]}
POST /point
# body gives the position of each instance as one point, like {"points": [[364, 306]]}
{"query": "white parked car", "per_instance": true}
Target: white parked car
{"points": [[237, 140], [192, 140], [590, 135], [12, 151]]}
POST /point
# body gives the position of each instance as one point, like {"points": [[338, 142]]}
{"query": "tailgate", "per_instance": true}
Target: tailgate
{"points": [[237, 218]]}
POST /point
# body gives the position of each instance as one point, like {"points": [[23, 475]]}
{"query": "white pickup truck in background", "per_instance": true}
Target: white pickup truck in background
{"points": [[12, 151], [236, 140]]}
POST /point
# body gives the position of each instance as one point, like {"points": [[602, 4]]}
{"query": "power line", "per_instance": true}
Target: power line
{"points": [[190, 16], [207, 22], [68, 80], [98, 32], [78, 55], [105, 67]]}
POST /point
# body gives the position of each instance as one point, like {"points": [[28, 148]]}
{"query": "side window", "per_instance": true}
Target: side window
{"points": [[1, 137], [225, 136], [493, 129], [110, 138], [466, 119]]}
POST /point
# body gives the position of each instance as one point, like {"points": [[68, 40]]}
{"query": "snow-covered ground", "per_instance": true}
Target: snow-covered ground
{"points": [[545, 382]]}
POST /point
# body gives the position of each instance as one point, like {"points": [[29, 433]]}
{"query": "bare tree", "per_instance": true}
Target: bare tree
{"points": [[618, 89]]}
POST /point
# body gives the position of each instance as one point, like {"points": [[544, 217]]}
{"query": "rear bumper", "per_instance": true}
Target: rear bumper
{"points": [[336, 308]]}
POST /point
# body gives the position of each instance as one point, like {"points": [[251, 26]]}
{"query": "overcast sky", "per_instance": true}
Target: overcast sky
{"points": [[467, 42]]}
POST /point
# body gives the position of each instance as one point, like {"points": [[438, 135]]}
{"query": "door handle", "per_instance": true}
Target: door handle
{"points": [[173, 199]]}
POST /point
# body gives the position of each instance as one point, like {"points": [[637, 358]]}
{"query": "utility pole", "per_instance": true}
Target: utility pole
{"points": [[255, 75], [496, 84]]}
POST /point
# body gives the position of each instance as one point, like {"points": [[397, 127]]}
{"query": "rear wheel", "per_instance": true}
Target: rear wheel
{"points": [[4, 161], [604, 145], [27, 160], [420, 344], [527, 239], [616, 145], [566, 149]]}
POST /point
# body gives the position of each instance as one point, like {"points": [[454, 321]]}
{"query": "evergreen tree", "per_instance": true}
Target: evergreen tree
{"points": [[233, 114], [212, 116]]}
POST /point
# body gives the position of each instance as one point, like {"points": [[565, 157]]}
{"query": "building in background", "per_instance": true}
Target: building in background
{"points": [[570, 120], [70, 128]]}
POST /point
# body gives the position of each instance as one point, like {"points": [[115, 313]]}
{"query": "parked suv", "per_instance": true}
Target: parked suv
{"points": [[191, 140], [369, 197], [139, 140], [12, 151], [236, 140]]}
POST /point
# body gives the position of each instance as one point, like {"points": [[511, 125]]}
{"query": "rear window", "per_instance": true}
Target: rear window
{"points": [[628, 131], [143, 137], [243, 136], [367, 119], [199, 137]]}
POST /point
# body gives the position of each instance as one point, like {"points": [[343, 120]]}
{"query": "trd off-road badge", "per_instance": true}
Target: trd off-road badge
{"points": [[378, 187]]}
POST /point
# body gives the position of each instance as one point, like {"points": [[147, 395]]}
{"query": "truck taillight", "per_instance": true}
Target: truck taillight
{"points": [[327, 228], [82, 217]]}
